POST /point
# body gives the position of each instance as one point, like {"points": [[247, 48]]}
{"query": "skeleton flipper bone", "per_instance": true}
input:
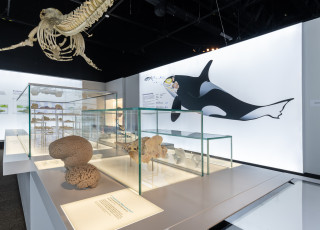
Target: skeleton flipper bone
{"points": [[89, 61], [28, 42]]}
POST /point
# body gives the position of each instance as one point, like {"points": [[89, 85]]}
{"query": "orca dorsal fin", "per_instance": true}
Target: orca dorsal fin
{"points": [[204, 76]]}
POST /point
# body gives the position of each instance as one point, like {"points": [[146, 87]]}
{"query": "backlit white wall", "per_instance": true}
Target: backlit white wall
{"points": [[311, 76], [11, 83], [260, 71]]}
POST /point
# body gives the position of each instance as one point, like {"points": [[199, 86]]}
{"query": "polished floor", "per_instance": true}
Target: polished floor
{"points": [[293, 206], [11, 213]]}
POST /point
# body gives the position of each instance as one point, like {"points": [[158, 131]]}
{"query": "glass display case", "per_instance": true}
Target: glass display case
{"points": [[142, 148], [48, 113], [136, 152]]}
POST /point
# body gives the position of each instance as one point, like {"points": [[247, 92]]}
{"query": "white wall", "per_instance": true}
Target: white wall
{"points": [[127, 88], [94, 85], [310, 91], [265, 71], [131, 91], [117, 86], [311, 94]]}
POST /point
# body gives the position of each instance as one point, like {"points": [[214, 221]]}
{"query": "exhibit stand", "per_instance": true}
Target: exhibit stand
{"points": [[50, 203], [142, 164]]}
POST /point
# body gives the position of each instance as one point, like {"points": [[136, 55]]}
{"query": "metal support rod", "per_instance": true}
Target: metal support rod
{"points": [[202, 143], [152, 164], [231, 154], [140, 151], [208, 158], [8, 8]]}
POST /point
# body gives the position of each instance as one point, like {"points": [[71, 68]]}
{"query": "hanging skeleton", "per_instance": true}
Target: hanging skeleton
{"points": [[59, 35]]}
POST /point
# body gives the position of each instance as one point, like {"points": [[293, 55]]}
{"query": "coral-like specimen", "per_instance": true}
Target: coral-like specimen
{"points": [[76, 152], [45, 118], [45, 107], [43, 127], [58, 106], [179, 156], [34, 120], [83, 176], [34, 106], [151, 148]]}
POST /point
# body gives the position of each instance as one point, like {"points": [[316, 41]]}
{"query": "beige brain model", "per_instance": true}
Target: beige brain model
{"points": [[76, 152], [151, 148]]}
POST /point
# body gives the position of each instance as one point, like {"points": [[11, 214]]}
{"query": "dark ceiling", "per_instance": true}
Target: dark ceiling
{"points": [[138, 35]]}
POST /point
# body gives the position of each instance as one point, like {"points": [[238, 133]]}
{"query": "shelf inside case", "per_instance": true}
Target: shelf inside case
{"points": [[220, 152]]}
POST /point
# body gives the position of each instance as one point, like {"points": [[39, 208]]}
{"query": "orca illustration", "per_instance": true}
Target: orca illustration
{"points": [[198, 93]]}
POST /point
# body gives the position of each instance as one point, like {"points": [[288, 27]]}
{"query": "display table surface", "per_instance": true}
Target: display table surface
{"points": [[225, 192], [222, 191], [196, 203], [15, 159]]}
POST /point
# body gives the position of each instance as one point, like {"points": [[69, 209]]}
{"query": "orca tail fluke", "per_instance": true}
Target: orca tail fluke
{"points": [[278, 107], [273, 110], [204, 76]]}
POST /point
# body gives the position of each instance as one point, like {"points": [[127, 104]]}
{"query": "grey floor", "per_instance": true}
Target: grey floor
{"points": [[11, 212]]}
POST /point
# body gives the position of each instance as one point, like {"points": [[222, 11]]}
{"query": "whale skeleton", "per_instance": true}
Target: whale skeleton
{"points": [[59, 36]]}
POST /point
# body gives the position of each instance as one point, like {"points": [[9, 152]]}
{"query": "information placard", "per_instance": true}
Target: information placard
{"points": [[109, 211]]}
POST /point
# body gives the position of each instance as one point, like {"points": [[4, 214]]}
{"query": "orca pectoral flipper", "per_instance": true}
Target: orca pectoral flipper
{"points": [[175, 105]]}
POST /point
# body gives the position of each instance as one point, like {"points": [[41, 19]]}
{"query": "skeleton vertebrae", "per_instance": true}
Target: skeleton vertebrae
{"points": [[59, 35], [83, 17]]}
